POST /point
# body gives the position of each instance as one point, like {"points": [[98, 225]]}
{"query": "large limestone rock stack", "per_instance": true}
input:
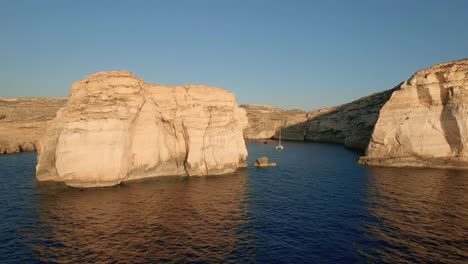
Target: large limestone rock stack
{"points": [[115, 128], [425, 123]]}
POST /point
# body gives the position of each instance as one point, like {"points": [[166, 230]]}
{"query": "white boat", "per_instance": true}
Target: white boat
{"points": [[279, 142]]}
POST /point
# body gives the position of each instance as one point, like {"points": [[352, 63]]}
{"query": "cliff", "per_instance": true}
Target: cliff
{"points": [[116, 128], [425, 122], [432, 98], [265, 122], [350, 124], [23, 121]]}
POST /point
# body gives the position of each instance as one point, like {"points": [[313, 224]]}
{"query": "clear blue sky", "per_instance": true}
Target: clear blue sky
{"points": [[291, 54]]}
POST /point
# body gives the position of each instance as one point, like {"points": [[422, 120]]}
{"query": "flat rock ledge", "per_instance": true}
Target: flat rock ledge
{"points": [[416, 162]]}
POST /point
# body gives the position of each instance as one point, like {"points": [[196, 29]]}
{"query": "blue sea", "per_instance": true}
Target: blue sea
{"points": [[317, 206]]}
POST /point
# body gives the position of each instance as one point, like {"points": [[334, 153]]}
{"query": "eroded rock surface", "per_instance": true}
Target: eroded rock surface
{"points": [[425, 123], [116, 127], [23, 121]]}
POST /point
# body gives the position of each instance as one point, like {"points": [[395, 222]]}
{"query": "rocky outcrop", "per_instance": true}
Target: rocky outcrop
{"points": [[264, 162], [349, 124], [266, 121], [117, 128], [425, 123], [23, 121]]}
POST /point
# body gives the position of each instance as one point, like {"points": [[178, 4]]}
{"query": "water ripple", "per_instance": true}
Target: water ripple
{"points": [[318, 206]]}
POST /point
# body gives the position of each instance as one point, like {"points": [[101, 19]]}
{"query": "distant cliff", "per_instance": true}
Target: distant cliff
{"points": [[425, 122], [265, 122], [23, 121], [350, 124]]}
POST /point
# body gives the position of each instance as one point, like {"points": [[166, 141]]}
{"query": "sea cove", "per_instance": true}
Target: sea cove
{"points": [[234, 131], [318, 205]]}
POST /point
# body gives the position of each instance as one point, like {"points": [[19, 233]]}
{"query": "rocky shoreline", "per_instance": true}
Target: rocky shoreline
{"points": [[393, 126], [348, 124]]}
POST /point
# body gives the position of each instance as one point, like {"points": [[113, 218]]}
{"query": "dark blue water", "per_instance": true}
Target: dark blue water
{"points": [[317, 206]]}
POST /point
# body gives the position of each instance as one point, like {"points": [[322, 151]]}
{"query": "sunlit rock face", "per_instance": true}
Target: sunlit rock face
{"points": [[425, 123], [116, 127]]}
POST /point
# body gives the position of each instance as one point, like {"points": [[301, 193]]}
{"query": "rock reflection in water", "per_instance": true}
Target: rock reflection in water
{"points": [[174, 219], [421, 215]]}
